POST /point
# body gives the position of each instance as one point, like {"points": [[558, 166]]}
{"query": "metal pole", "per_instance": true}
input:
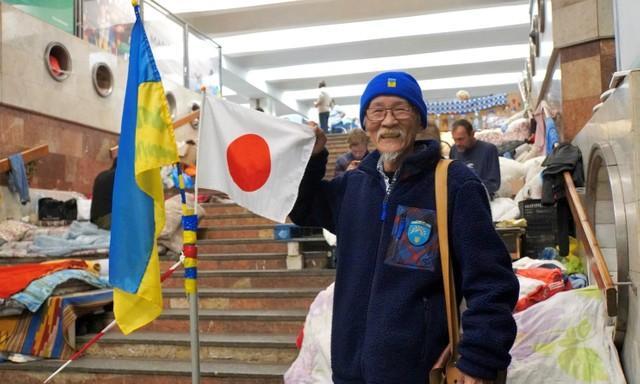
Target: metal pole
{"points": [[195, 338], [190, 250]]}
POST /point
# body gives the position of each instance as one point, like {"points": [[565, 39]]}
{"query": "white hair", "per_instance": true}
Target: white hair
{"points": [[389, 156]]}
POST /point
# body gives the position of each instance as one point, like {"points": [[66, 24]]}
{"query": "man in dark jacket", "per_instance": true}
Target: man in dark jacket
{"points": [[480, 156], [389, 321]]}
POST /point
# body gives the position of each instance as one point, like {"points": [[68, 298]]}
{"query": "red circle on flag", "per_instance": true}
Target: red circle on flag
{"points": [[249, 162]]}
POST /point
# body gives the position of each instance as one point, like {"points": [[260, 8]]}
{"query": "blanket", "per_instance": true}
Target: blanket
{"points": [[564, 339], [81, 236], [46, 332], [39, 290], [16, 277]]}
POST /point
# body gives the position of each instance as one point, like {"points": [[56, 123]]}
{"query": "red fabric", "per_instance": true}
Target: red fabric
{"points": [[300, 338], [55, 66], [15, 278], [554, 283]]}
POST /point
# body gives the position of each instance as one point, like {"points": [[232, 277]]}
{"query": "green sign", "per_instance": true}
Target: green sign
{"points": [[58, 13]]}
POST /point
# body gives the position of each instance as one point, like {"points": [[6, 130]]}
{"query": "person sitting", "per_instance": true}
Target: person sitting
{"points": [[480, 156], [358, 141], [101, 199]]}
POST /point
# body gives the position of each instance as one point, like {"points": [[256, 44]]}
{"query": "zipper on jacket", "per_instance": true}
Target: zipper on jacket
{"points": [[385, 201], [383, 216]]}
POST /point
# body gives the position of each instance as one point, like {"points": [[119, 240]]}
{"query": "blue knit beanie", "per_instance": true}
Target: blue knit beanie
{"points": [[399, 84]]}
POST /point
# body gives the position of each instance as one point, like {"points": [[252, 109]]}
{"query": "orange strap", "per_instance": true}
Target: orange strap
{"points": [[447, 269]]}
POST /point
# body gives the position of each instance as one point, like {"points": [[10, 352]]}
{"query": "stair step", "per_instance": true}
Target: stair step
{"points": [[241, 245], [222, 208], [234, 219], [256, 348], [230, 298], [249, 261], [264, 231], [212, 321], [254, 245], [91, 370], [268, 278]]}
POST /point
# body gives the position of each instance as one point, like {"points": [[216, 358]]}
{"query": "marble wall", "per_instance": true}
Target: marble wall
{"points": [[77, 153], [583, 32], [586, 72]]}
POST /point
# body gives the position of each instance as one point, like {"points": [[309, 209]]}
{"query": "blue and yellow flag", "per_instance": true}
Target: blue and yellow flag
{"points": [[147, 143]]}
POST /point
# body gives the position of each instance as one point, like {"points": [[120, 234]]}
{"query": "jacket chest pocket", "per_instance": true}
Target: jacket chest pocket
{"points": [[414, 239]]}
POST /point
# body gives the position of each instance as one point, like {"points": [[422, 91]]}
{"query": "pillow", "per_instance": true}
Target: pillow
{"points": [[14, 230], [84, 209]]}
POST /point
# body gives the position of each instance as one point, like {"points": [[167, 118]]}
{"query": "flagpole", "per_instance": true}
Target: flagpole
{"points": [[190, 251], [106, 329]]}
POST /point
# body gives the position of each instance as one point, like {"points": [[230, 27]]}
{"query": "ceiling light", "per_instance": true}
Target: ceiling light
{"points": [[189, 6], [471, 19], [426, 85], [422, 60], [226, 91]]}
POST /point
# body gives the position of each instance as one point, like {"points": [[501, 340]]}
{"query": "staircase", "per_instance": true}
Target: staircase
{"points": [[251, 310]]}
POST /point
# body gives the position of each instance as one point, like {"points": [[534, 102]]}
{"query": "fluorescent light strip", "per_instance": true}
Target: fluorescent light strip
{"points": [[445, 22], [187, 6], [460, 82], [422, 60], [226, 91]]}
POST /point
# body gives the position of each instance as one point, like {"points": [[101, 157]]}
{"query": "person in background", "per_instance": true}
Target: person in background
{"points": [[357, 141], [101, 197], [480, 156], [323, 103], [389, 320]]}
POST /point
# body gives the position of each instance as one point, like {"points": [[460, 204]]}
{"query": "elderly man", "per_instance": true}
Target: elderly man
{"points": [[480, 156], [389, 322]]}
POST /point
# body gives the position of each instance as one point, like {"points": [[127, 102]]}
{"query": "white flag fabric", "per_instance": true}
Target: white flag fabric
{"points": [[256, 159]]}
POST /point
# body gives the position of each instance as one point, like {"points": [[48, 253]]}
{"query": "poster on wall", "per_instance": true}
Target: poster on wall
{"points": [[107, 24], [58, 13]]}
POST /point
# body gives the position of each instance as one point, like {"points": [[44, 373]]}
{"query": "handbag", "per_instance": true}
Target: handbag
{"points": [[444, 370]]}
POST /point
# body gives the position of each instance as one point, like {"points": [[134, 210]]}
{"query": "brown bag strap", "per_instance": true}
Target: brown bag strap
{"points": [[447, 269]]}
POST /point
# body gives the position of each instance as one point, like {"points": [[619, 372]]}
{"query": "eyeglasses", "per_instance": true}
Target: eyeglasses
{"points": [[400, 113]]}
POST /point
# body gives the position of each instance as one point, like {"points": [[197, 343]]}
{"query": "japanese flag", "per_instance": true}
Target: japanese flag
{"points": [[256, 159]]}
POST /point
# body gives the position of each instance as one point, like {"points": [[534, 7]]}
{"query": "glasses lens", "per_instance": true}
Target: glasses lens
{"points": [[402, 112], [376, 114]]}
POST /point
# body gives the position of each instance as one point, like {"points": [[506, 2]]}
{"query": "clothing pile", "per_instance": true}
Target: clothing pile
{"points": [[40, 302]]}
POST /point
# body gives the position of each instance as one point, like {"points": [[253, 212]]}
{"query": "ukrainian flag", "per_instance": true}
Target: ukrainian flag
{"points": [[147, 143]]}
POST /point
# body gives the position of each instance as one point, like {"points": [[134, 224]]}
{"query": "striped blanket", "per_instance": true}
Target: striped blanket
{"points": [[46, 333]]}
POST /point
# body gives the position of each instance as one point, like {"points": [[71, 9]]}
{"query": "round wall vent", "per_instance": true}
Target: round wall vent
{"points": [[57, 60], [102, 79], [171, 101]]}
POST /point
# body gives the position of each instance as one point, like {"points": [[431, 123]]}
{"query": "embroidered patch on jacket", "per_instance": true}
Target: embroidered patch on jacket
{"points": [[418, 232]]}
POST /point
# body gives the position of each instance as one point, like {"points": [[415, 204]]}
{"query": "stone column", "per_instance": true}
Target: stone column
{"points": [[583, 32]]}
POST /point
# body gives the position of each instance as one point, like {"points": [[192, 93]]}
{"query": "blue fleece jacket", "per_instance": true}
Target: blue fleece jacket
{"points": [[389, 321]]}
